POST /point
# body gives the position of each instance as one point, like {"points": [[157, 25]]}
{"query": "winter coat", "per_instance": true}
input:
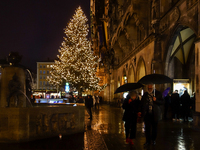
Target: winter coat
{"points": [[89, 102], [131, 109], [175, 100], [185, 100], [155, 108]]}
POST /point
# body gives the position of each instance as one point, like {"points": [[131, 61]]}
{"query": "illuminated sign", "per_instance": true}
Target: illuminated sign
{"points": [[67, 87]]}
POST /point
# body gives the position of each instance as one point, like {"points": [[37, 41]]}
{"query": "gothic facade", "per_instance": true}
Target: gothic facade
{"points": [[135, 38]]}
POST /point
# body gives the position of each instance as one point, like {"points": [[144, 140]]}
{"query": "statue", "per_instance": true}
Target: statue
{"points": [[14, 87]]}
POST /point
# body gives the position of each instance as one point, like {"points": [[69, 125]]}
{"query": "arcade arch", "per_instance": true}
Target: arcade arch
{"points": [[180, 61], [141, 71]]}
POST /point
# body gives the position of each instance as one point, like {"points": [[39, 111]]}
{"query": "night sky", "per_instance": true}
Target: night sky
{"points": [[35, 28]]}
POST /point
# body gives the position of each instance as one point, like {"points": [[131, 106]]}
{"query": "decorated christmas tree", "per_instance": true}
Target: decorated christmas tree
{"points": [[77, 63]]}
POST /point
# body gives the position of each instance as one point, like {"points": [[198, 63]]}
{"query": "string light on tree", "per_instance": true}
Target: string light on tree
{"points": [[77, 63]]}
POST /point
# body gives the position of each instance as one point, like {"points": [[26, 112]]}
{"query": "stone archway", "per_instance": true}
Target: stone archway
{"points": [[180, 61], [141, 69]]}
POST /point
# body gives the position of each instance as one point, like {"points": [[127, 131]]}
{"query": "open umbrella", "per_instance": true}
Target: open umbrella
{"points": [[166, 91], [155, 79], [128, 87]]}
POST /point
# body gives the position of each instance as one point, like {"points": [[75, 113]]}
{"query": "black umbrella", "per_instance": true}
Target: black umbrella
{"points": [[155, 79], [128, 87]]}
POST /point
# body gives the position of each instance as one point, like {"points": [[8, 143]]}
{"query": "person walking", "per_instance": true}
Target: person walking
{"points": [[185, 100], [89, 105], [131, 106], [150, 107], [175, 105]]}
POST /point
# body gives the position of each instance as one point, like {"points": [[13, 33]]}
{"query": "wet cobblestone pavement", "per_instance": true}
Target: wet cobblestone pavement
{"points": [[171, 135], [106, 132]]}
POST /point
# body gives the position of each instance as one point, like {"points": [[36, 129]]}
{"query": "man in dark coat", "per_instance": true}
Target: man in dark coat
{"points": [[151, 112], [89, 105], [131, 105], [175, 104], [185, 100]]}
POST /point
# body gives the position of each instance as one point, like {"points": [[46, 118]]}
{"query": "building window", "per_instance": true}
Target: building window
{"points": [[40, 82], [47, 66], [43, 82], [40, 77], [47, 72], [44, 66], [44, 77], [40, 71], [40, 66], [44, 72]]}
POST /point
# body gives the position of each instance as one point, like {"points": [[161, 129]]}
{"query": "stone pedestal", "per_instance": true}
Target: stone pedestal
{"points": [[25, 124]]}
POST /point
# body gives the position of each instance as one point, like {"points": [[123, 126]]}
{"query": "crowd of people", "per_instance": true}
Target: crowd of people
{"points": [[179, 106], [149, 108]]}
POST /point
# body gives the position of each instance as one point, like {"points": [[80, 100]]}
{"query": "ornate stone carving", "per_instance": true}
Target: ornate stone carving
{"points": [[169, 19], [175, 15], [55, 122]]}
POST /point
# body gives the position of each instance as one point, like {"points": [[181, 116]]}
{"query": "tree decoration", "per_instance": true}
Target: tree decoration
{"points": [[76, 62]]}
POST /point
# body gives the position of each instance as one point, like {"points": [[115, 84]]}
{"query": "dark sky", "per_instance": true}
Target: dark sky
{"points": [[35, 28]]}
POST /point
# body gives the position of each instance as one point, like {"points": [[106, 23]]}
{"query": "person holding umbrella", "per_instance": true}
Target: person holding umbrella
{"points": [[131, 105], [150, 107]]}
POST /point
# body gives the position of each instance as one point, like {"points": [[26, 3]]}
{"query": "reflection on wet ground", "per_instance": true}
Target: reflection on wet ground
{"points": [[171, 135], [106, 132]]}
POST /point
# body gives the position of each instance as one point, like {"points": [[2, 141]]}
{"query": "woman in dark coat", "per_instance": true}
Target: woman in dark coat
{"points": [[131, 105]]}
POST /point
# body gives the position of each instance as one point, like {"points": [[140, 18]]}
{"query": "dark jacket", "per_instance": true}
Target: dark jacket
{"points": [[156, 105], [88, 101], [175, 100], [185, 100], [131, 109]]}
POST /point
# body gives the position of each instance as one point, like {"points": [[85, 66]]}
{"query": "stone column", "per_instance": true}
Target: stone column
{"points": [[197, 73], [196, 117], [156, 62]]}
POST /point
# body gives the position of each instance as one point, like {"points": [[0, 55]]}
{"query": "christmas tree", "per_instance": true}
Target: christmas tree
{"points": [[77, 63]]}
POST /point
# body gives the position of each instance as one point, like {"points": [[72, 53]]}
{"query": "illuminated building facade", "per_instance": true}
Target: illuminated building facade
{"points": [[43, 70], [148, 36]]}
